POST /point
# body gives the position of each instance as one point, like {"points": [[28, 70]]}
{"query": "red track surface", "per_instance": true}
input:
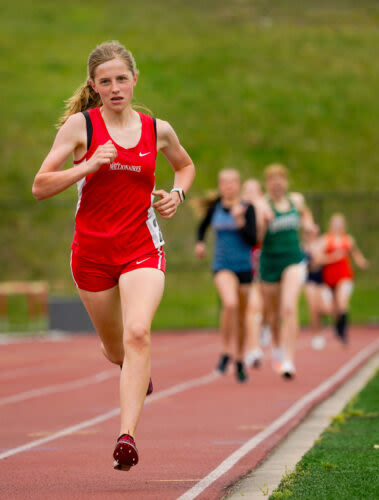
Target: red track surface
{"points": [[182, 437]]}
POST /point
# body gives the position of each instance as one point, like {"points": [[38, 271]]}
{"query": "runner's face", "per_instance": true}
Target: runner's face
{"points": [[115, 84], [229, 185], [251, 191], [337, 225], [277, 185]]}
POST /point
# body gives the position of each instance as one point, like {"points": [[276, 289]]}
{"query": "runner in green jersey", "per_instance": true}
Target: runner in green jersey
{"points": [[282, 265]]}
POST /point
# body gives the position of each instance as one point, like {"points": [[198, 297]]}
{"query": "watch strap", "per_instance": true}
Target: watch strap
{"points": [[180, 191]]}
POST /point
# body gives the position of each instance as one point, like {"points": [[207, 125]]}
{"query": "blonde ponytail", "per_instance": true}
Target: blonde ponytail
{"points": [[200, 205], [84, 98]]}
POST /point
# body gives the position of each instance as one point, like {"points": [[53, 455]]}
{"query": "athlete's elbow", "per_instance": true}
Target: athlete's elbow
{"points": [[37, 191], [193, 170]]}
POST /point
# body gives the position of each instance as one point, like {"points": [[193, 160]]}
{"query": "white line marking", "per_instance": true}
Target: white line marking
{"points": [[232, 459], [189, 384], [9, 339], [31, 370], [66, 386], [64, 432], [184, 386]]}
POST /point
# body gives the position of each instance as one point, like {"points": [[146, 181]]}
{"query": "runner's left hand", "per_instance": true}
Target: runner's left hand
{"points": [[238, 211], [167, 205]]}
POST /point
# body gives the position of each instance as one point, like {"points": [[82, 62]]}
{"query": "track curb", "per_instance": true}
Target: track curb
{"points": [[300, 436]]}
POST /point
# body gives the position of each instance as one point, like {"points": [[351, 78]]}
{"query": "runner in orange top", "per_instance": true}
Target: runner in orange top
{"points": [[336, 247]]}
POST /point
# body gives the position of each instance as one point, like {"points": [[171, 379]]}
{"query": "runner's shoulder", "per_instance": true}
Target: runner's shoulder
{"points": [[165, 134], [164, 128], [76, 120], [351, 240], [74, 125]]}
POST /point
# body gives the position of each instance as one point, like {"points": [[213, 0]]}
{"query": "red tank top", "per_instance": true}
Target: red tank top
{"points": [[333, 273], [115, 222]]}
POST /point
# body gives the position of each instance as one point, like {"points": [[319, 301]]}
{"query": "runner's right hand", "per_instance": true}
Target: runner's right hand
{"points": [[200, 250], [104, 155]]}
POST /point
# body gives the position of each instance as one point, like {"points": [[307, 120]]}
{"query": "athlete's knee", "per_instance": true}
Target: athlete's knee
{"points": [[273, 320], [114, 355], [137, 335], [255, 307], [230, 304], [288, 309], [340, 308], [250, 309]]}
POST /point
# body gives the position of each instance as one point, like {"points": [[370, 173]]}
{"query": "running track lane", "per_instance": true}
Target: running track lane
{"points": [[194, 440]]}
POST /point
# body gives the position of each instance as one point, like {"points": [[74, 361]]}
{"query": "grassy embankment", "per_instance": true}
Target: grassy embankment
{"points": [[243, 83], [344, 461]]}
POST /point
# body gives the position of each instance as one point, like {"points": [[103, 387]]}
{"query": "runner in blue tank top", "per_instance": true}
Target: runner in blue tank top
{"points": [[234, 226]]}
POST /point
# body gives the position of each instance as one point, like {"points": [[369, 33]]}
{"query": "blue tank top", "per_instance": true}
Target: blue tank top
{"points": [[230, 250]]}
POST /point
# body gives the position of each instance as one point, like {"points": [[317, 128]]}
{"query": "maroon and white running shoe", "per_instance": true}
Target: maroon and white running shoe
{"points": [[125, 454]]}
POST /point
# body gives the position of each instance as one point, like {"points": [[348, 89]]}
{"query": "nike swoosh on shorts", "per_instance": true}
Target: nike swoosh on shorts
{"points": [[140, 261]]}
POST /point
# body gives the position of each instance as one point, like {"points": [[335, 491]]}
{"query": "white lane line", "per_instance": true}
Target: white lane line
{"points": [[10, 339], [64, 432], [76, 384], [155, 362], [52, 389], [235, 457], [184, 386], [189, 384], [31, 370]]}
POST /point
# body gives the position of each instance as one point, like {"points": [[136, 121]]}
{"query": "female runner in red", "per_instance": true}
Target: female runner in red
{"points": [[337, 273], [117, 259]]}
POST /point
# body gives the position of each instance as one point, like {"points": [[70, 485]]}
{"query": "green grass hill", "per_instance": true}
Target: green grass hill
{"points": [[243, 82]]}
